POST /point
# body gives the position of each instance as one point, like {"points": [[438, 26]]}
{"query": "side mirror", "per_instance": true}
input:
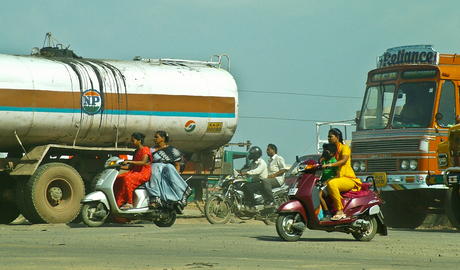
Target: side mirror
{"points": [[297, 158]]}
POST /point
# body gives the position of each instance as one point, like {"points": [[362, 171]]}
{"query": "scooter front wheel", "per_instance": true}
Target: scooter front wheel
{"points": [[92, 214], [217, 211], [285, 229]]}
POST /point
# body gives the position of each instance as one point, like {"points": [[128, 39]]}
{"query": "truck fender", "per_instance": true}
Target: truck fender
{"points": [[293, 206], [96, 196]]}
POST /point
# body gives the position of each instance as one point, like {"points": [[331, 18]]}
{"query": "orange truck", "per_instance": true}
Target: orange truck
{"points": [[411, 101]]}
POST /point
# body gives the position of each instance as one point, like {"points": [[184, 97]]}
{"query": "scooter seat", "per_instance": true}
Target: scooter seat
{"points": [[141, 186], [281, 188], [356, 194]]}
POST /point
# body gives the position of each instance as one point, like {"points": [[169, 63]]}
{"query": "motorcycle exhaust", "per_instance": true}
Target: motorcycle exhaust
{"points": [[100, 214], [361, 224]]}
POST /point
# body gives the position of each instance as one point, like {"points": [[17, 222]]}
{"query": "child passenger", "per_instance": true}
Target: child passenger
{"points": [[328, 156]]}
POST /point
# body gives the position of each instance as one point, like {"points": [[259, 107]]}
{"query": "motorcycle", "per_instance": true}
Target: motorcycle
{"points": [[219, 207], [364, 217], [98, 205]]}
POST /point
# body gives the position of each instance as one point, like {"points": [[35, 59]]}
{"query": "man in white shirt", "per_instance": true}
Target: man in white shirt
{"points": [[258, 172], [276, 170]]}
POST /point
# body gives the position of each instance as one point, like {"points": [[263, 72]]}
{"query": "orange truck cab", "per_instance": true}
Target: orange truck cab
{"points": [[411, 101]]}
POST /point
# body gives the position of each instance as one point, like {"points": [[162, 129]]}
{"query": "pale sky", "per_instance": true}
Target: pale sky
{"points": [[295, 62]]}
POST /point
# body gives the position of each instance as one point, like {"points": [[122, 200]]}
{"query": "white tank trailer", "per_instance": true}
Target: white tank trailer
{"points": [[61, 116]]}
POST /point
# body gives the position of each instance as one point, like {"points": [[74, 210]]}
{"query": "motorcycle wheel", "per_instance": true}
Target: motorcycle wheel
{"points": [[217, 211], [167, 221], [87, 211], [368, 234], [284, 227]]}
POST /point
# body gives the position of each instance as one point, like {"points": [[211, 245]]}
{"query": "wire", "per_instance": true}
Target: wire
{"points": [[296, 94], [277, 118]]}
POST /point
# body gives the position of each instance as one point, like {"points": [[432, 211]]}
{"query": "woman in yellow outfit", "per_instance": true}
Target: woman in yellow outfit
{"points": [[347, 179]]}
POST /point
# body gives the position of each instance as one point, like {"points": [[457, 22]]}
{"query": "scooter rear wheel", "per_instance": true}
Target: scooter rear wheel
{"points": [[166, 221], [285, 229], [368, 234], [87, 214]]}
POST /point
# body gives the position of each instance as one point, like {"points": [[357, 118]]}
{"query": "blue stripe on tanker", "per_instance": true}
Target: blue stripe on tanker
{"points": [[117, 112]]}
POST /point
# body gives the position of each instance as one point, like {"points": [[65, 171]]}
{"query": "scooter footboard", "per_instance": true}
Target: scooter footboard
{"points": [[96, 196], [293, 206]]}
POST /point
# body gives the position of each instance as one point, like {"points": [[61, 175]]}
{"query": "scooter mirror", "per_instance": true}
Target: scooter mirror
{"points": [[297, 158]]}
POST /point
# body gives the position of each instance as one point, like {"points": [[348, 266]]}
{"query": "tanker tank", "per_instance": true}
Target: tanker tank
{"points": [[100, 103]]}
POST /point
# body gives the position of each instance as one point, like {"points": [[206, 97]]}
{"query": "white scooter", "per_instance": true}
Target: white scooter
{"points": [[101, 203]]}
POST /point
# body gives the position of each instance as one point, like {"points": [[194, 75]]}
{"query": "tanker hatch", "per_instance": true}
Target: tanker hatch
{"points": [[53, 48]]}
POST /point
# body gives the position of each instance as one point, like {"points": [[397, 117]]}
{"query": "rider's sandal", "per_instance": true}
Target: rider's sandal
{"points": [[126, 206], [338, 217]]}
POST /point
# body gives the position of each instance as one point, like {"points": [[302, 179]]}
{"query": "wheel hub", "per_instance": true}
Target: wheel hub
{"points": [[55, 195]]}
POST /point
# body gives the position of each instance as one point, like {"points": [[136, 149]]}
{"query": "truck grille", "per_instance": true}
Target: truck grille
{"points": [[382, 165], [373, 147]]}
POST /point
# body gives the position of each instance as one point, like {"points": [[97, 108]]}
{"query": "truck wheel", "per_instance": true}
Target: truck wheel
{"points": [[452, 205], [53, 193], [8, 212], [405, 213], [21, 202]]}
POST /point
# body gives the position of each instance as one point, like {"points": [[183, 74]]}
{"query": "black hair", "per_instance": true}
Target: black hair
{"points": [[163, 134], [138, 136], [273, 147], [329, 149], [337, 133]]}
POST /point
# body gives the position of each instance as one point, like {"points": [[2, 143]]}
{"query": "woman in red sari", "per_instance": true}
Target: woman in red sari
{"points": [[139, 173]]}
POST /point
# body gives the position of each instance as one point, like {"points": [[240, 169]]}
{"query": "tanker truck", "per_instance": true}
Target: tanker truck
{"points": [[63, 115]]}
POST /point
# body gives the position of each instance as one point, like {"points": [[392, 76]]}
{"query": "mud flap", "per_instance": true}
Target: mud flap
{"points": [[382, 229]]}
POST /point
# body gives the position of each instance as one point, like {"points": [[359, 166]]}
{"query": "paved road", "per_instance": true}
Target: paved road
{"points": [[194, 244]]}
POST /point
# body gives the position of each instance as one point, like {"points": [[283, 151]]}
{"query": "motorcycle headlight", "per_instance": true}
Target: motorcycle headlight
{"points": [[362, 166], [302, 167], [356, 166], [413, 164]]}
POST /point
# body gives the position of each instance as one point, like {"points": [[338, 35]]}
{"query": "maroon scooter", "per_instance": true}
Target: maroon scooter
{"points": [[364, 218]]}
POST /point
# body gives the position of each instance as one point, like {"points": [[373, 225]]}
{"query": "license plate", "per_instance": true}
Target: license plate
{"points": [[293, 191], [380, 179]]}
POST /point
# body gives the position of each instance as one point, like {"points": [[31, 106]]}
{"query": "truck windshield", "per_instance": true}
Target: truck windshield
{"points": [[414, 105], [376, 108]]}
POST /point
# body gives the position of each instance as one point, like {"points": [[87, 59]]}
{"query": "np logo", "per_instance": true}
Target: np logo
{"points": [[91, 102], [190, 126]]}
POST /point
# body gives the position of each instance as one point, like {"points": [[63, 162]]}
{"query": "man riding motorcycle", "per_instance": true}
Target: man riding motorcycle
{"points": [[258, 172]]}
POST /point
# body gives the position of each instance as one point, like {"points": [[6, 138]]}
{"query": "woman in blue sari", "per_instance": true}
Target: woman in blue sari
{"points": [[166, 186]]}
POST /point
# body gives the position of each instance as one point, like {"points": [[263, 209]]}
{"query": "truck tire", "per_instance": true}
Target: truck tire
{"points": [[8, 212], [452, 206], [406, 213], [21, 202], [53, 193]]}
